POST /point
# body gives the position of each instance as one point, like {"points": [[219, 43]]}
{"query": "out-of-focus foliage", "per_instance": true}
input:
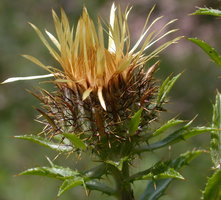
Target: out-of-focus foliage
{"points": [[208, 49], [191, 95], [216, 135], [207, 11], [213, 186]]}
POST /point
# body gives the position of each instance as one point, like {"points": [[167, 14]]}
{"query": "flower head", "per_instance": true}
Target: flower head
{"points": [[85, 60], [100, 87]]}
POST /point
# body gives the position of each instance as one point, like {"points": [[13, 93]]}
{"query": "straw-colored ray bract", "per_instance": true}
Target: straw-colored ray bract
{"points": [[84, 58]]}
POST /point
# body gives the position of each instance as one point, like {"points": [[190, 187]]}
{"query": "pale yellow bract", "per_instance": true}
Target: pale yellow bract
{"points": [[84, 58]]}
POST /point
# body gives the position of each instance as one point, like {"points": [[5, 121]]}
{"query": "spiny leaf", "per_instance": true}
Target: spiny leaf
{"points": [[185, 158], [169, 173], [57, 172], [70, 183], [46, 143], [72, 178], [83, 179], [213, 187], [210, 51], [95, 185], [165, 88], [75, 140], [96, 172], [215, 148], [166, 126], [134, 122], [177, 136], [161, 170], [207, 11], [155, 188]]}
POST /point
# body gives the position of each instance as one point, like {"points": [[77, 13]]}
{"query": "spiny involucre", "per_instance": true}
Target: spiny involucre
{"points": [[100, 88]]}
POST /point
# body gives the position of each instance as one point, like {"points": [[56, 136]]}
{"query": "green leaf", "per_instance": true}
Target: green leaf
{"points": [[185, 158], [47, 143], [70, 183], [156, 188], [161, 170], [134, 122], [207, 11], [91, 185], [177, 136], [57, 172], [166, 126], [213, 187], [117, 164], [86, 180], [210, 51], [72, 178], [96, 172], [165, 88], [95, 185], [169, 173], [215, 148], [75, 140]]}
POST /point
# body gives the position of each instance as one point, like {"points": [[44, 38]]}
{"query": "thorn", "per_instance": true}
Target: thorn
{"points": [[155, 186]]}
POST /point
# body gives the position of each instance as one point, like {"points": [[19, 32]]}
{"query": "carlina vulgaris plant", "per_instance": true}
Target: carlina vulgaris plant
{"points": [[105, 101]]}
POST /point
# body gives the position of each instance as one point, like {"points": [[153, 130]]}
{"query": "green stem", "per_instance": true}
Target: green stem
{"points": [[123, 188]]}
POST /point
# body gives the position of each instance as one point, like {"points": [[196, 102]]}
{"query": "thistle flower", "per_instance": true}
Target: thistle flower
{"points": [[100, 88]]}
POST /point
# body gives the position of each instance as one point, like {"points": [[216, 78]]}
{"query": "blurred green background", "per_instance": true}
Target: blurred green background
{"points": [[192, 95]]}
